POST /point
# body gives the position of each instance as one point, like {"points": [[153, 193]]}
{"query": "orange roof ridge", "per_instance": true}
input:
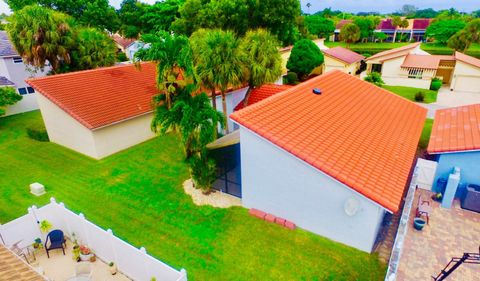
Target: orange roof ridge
{"points": [[396, 50], [363, 136]]}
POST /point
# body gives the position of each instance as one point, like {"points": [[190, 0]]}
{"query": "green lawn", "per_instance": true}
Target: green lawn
{"points": [[409, 93], [432, 48], [427, 130], [138, 193]]}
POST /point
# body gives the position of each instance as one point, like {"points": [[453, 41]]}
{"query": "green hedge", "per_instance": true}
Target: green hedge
{"points": [[38, 133], [436, 84]]}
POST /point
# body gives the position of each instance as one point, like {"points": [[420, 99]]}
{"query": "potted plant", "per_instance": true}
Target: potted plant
{"points": [[93, 258], [112, 267], [45, 226], [76, 253], [37, 243], [437, 197], [85, 253], [419, 223]]}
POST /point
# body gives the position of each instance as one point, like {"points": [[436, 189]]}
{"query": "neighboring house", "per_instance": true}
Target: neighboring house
{"points": [[342, 59], [102, 111], [14, 72], [335, 37], [412, 67], [455, 144], [332, 154], [132, 48], [285, 52], [121, 42], [261, 93]]}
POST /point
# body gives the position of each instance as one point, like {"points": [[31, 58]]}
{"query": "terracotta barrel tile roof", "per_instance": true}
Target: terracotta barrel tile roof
{"points": [[425, 61], [124, 42], [12, 268], [344, 55], [467, 59], [396, 50], [261, 93], [360, 134], [103, 96], [455, 129]]}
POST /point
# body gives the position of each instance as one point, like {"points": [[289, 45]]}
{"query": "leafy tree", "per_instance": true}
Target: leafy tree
{"points": [[396, 22], [263, 61], [40, 35], [319, 26], [350, 33], [366, 25], [449, 14], [408, 10], [94, 49], [219, 61], [130, 15], [160, 15], [426, 13], [191, 17], [8, 96], [464, 38], [442, 30], [476, 14], [173, 56], [305, 57], [375, 78], [380, 36]]}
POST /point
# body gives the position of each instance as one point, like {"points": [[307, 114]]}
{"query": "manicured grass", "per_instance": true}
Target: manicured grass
{"points": [[432, 48], [427, 130], [409, 93], [138, 193]]}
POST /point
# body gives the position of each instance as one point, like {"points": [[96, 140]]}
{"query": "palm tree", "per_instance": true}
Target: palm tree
{"points": [[41, 35], [350, 33], [396, 22], [173, 57], [221, 66], [263, 60]]}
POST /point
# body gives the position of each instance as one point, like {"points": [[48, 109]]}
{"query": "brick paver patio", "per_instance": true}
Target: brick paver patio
{"points": [[450, 233]]}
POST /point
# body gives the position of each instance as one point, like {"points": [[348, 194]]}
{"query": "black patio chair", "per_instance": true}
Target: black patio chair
{"points": [[57, 241]]}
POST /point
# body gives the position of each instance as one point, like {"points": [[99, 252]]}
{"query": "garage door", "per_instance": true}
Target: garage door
{"points": [[467, 84]]}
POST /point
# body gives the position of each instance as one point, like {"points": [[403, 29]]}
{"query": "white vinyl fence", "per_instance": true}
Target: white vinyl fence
{"points": [[132, 262]]}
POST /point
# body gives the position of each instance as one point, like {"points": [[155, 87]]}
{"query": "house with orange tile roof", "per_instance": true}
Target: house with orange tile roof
{"points": [[412, 67], [345, 60], [261, 93], [455, 145], [102, 111], [332, 155]]}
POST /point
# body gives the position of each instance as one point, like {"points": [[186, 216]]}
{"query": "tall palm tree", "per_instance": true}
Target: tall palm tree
{"points": [[41, 35], [396, 22], [222, 63], [173, 57], [263, 60]]}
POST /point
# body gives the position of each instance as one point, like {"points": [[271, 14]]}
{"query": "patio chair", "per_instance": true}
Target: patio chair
{"points": [[15, 248], [83, 269], [57, 241], [423, 208]]}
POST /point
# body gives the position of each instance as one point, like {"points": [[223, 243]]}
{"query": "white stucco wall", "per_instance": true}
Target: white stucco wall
{"points": [[123, 135], [394, 75], [65, 130], [466, 78], [232, 99], [276, 182], [334, 64], [17, 73]]}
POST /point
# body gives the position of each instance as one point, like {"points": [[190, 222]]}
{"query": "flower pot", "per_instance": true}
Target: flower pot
{"points": [[419, 223], [113, 269], [85, 257]]}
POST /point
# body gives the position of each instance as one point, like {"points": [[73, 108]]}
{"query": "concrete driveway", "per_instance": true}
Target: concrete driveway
{"points": [[449, 98]]}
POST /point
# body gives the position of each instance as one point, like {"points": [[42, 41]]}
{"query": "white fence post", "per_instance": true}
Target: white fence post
{"points": [[111, 238], [183, 275], [85, 230], [63, 211], [33, 216], [144, 256]]}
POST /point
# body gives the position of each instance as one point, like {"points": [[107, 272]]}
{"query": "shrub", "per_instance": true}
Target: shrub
{"points": [[375, 78], [203, 172], [436, 84], [420, 96], [291, 78], [304, 58], [38, 133], [121, 56]]}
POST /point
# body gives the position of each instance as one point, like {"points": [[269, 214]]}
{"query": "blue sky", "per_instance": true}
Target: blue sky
{"points": [[383, 6]]}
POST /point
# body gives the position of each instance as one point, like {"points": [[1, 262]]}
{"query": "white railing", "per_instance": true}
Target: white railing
{"points": [[132, 262]]}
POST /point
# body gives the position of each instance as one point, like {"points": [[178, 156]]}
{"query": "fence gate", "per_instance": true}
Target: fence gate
{"points": [[426, 170]]}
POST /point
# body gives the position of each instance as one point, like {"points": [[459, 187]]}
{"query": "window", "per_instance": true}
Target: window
{"points": [[17, 60], [30, 90], [22, 91], [415, 73], [377, 68]]}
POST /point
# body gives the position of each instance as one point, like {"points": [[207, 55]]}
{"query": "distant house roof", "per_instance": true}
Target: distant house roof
{"points": [[394, 51], [262, 93], [425, 61], [359, 134], [124, 42], [386, 24], [467, 59], [421, 24], [5, 82], [6, 47], [14, 268], [341, 23], [455, 129], [344, 55], [103, 96]]}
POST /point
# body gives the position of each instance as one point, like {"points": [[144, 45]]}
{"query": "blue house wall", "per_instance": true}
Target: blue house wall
{"points": [[469, 164]]}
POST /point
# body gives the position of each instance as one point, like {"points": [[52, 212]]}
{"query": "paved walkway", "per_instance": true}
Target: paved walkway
{"points": [[450, 233], [447, 98], [432, 108]]}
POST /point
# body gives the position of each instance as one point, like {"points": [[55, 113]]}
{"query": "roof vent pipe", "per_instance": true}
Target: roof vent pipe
{"points": [[317, 91]]}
